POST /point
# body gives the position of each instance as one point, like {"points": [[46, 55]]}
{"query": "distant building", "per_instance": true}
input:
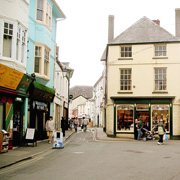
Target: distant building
{"points": [[81, 102], [98, 94]]}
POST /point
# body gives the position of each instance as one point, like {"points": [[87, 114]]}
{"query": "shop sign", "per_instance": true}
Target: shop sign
{"points": [[24, 84], [70, 96], [142, 107], [40, 105], [125, 107], [30, 133], [58, 140], [9, 78]]}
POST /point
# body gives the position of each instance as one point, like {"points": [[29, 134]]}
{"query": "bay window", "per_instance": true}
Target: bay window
{"points": [[14, 41]]}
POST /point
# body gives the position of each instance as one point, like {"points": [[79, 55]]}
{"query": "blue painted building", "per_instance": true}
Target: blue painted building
{"points": [[43, 17]]}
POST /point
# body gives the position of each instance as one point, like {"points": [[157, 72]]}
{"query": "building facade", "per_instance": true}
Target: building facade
{"points": [[98, 94], [43, 17], [14, 82], [142, 64], [63, 73]]}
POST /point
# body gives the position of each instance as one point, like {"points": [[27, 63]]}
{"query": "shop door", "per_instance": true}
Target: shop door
{"points": [[17, 124], [142, 114]]}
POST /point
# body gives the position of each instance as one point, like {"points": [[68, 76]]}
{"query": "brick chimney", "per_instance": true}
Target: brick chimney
{"points": [[111, 28], [177, 22], [157, 22]]}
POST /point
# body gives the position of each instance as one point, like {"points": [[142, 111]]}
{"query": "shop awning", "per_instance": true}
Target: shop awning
{"points": [[40, 92]]}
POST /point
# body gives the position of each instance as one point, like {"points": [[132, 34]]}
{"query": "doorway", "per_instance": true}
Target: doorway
{"points": [[144, 117], [142, 114], [17, 124]]}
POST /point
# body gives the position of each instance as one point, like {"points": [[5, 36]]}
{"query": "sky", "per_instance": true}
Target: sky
{"points": [[83, 35]]}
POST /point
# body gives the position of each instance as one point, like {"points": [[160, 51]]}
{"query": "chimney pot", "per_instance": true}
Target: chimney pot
{"points": [[157, 22]]}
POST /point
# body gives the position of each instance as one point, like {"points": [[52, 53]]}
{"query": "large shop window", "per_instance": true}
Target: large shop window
{"points": [[125, 119], [161, 112]]}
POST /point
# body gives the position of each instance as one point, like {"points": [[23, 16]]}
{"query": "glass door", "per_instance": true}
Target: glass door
{"points": [[142, 114]]}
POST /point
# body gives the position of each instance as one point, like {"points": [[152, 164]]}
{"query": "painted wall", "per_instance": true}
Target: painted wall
{"points": [[41, 34], [143, 65], [17, 9]]}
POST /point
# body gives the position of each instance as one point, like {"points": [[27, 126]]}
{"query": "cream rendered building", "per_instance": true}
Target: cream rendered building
{"points": [[143, 75]]}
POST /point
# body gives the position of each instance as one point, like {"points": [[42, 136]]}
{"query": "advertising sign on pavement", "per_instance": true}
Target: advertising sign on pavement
{"points": [[58, 140]]}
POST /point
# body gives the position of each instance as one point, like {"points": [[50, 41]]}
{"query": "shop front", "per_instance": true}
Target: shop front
{"points": [[14, 87], [40, 107], [149, 111]]}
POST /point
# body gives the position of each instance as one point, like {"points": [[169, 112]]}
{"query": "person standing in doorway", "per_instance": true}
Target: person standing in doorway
{"points": [[63, 125], [161, 131], [50, 128]]}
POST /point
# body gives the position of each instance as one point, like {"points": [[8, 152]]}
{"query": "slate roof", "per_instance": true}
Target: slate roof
{"points": [[144, 31], [85, 91]]}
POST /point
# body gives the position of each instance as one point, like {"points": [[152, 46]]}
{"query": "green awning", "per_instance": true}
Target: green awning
{"points": [[44, 88], [40, 92]]}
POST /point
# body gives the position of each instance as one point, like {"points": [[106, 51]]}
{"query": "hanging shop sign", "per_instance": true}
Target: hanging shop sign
{"points": [[24, 84]]}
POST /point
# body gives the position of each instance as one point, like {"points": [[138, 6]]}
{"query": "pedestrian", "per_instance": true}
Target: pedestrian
{"points": [[63, 125], [161, 131], [71, 123], [139, 127], [85, 122], [76, 123], [135, 129], [50, 128]]}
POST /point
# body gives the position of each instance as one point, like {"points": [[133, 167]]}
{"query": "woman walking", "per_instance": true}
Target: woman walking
{"points": [[161, 131]]}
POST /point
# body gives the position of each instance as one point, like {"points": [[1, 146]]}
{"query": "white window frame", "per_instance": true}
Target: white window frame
{"points": [[14, 51], [41, 72], [126, 51], [160, 50], [127, 79], [160, 79], [46, 14]]}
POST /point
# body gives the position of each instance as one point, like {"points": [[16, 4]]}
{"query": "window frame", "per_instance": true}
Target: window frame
{"points": [[160, 79], [46, 14], [16, 51], [158, 116], [126, 50], [124, 108], [41, 72], [158, 52], [125, 84]]}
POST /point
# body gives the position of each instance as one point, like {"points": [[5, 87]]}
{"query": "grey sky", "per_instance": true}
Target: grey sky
{"points": [[83, 35]]}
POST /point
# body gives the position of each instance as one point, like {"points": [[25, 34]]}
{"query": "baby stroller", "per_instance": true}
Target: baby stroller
{"points": [[148, 135]]}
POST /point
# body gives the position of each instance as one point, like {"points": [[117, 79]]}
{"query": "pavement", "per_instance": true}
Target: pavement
{"points": [[20, 154]]}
